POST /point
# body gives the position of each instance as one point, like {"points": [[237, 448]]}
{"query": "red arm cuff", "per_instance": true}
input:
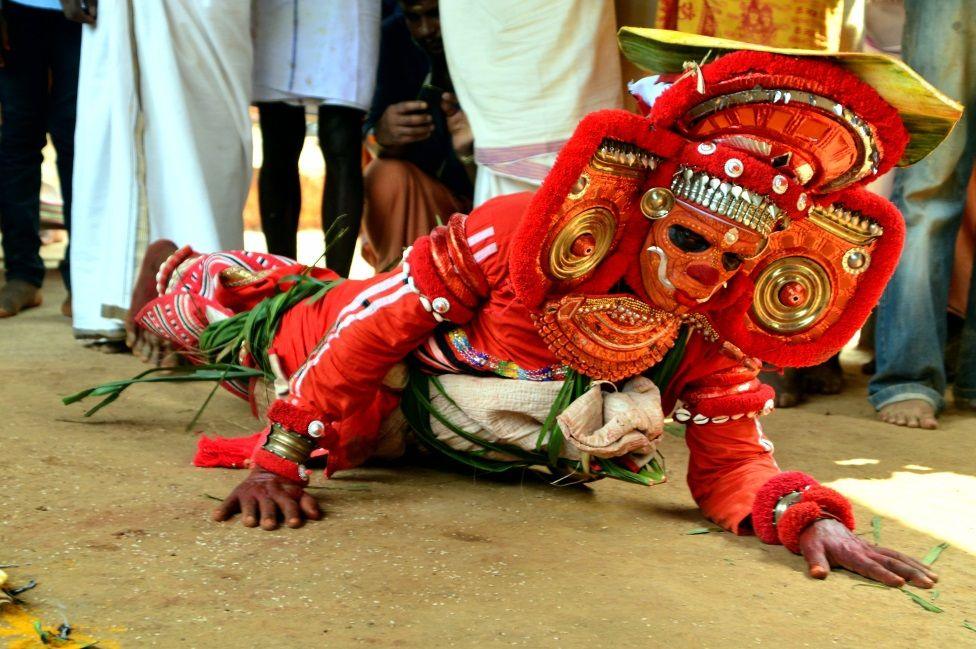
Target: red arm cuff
{"points": [[817, 502], [446, 274], [767, 497], [302, 421], [279, 466]]}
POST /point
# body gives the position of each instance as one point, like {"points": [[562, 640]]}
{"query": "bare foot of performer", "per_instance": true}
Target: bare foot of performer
{"points": [[143, 343]]}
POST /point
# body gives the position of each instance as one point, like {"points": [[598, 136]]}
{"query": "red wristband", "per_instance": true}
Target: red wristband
{"points": [[280, 466], [833, 503], [304, 423], [796, 519], [768, 496], [817, 502]]}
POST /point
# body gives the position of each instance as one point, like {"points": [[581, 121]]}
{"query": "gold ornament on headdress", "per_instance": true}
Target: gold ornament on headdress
{"points": [[751, 210], [582, 243], [791, 294]]}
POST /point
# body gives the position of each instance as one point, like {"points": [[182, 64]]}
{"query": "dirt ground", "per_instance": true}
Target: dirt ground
{"points": [[112, 521]]}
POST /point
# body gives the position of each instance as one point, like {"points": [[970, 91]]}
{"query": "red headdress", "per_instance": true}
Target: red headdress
{"points": [[776, 146]]}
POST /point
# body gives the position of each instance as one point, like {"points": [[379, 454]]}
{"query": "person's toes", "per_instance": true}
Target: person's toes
{"points": [[912, 421], [929, 423]]}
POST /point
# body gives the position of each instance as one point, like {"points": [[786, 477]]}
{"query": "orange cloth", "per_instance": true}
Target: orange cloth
{"points": [[402, 204]]}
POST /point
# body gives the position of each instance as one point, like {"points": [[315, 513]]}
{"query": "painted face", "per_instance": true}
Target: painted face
{"points": [[689, 254]]}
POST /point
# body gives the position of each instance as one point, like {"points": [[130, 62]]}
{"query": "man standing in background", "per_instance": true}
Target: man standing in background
{"points": [[911, 380], [163, 147], [38, 91], [526, 72], [423, 141], [309, 53]]}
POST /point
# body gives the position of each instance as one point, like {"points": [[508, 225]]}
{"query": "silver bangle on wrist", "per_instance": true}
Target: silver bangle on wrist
{"points": [[784, 503]]}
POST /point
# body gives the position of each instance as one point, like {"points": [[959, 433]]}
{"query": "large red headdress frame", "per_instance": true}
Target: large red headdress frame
{"points": [[795, 137]]}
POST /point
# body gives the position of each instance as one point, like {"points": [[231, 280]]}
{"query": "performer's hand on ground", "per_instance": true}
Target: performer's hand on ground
{"points": [[828, 543], [404, 123], [266, 498]]}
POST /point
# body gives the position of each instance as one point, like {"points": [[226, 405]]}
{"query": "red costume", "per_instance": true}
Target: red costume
{"points": [[727, 224]]}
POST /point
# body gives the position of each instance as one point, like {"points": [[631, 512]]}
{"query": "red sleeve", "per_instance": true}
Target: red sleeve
{"points": [[372, 325], [720, 402]]}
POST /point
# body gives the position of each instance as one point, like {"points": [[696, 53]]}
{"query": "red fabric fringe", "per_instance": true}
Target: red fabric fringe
{"points": [[226, 452]]}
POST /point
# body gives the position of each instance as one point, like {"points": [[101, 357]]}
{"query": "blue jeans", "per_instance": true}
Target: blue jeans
{"points": [[38, 93], [938, 43]]}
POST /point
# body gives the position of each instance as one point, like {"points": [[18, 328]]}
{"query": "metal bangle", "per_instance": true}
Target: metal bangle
{"points": [[784, 503], [288, 445]]}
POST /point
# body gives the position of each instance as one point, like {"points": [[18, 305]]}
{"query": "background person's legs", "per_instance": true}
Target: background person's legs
{"points": [[64, 52], [964, 389], [340, 137], [910, 381], [279, 186], [23, 107]]}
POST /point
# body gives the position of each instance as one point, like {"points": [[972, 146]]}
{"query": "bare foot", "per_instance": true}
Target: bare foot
{"points": [[912, 413], [145, 345], [16, 296], [786, 385]]}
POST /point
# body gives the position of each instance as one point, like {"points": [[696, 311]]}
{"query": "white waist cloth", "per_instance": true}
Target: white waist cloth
{"points": [[526, 72], [324, 50], [163, 144], [506, 411]]}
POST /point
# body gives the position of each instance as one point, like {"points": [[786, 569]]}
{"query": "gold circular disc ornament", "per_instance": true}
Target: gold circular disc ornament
{"points": [[791, 294], [657, 202], [582, 243]]}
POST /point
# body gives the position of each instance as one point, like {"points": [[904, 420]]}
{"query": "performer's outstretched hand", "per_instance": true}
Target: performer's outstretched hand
{"points": [[274, 498], [828, 543]]}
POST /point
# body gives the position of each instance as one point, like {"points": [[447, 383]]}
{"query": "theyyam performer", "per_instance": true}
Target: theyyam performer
{"points": [[664, 259]]}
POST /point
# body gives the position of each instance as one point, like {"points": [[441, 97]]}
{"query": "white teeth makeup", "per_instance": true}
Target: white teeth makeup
{"points": [[662, 268]]}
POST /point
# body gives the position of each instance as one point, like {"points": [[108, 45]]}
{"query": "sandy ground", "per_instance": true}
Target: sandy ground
{"points": [[110, 518]]}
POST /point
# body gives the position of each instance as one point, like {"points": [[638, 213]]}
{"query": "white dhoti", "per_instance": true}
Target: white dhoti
{"points": [[163, 144], [525, 73], [326, 52]]}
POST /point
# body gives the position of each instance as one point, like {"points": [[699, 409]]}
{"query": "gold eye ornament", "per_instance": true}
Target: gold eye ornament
{"points": [[791, 294], [657, 202], [582, 243]]}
